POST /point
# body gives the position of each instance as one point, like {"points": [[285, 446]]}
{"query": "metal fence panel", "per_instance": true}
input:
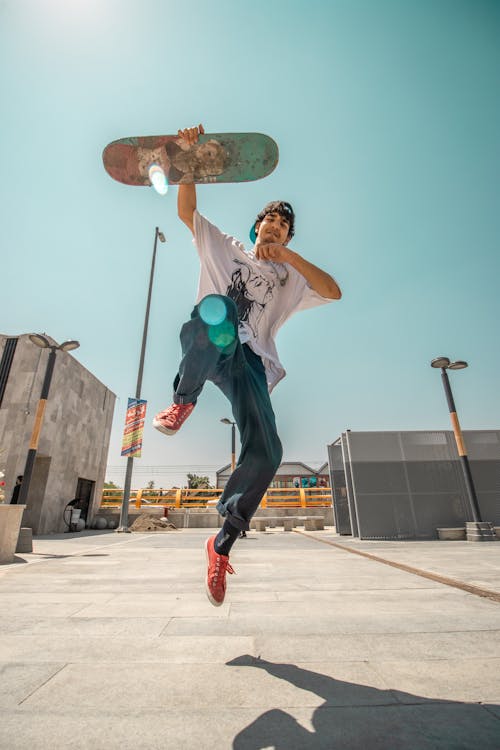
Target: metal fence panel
{"points": [[339, 489], [351, 501], [404, 485]]}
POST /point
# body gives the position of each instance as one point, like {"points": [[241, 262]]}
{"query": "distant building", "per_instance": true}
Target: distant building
{"points": [[74, 438], [288, 474], [405, 485]]}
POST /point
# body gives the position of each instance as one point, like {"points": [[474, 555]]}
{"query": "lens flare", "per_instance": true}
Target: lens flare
{"points": [[222, 335], [158, 179], [212, 310]]}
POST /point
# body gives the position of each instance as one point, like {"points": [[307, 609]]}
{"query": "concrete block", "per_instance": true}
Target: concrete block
{"points": [[260, 524], [195, 518], [480, 531], [288, 524], [310, 524], [10, 524], [25, 540], [451, 534]]}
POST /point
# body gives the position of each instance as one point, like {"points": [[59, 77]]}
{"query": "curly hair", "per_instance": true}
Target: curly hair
{"points": [[282, 208]]}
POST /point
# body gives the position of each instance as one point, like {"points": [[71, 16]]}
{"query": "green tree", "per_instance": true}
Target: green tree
{"points": [[111, 486], [150, 489], [196, 482]]}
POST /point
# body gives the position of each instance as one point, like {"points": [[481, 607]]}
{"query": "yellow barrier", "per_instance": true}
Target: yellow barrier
{"points": [[275, 497]]}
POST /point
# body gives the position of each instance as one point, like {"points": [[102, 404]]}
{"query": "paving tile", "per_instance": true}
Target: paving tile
{"points": [[136, 684], [157, 607], [249, 625], [15, 600], [82, 627], [88, 648], [380, 646], [41, 609], [472, 680], [341, 620], [19, 679], [318, 623]]}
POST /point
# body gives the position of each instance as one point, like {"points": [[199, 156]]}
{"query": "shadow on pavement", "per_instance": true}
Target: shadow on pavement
{"points": [[17, 561], [44, 555], [356, 717]]}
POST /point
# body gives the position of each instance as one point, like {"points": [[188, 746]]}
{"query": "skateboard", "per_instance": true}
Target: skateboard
{"points": [[217, 157]]}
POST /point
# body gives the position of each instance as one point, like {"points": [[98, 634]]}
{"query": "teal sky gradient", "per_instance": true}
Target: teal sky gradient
{"points": [[387, 116]]}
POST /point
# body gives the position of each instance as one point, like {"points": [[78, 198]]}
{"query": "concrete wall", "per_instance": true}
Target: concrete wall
{"points": [[74, 438], [196, 518]]}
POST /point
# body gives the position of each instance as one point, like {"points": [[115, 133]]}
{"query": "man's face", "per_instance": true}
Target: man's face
{"points": [[273, 228]]}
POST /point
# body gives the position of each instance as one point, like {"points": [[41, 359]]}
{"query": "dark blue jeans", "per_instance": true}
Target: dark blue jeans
{"points": [[240, 375]]}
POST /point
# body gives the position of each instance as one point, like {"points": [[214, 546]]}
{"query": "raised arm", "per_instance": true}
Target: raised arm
{"points": [[186, 204], [319, 280], [186, 197]]}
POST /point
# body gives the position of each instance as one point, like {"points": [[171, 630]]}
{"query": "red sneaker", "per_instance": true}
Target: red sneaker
{"points": [[218, 566], [170, 420]]}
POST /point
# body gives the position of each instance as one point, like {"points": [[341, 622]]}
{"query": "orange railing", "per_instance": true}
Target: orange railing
{"points": [[302, 497], [275, 497]]}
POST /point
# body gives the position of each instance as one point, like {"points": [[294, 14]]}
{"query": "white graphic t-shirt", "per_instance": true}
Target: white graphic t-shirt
{"points": [[266, 293]]}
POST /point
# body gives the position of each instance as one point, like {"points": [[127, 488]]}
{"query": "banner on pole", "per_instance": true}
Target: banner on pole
{"points": [[134, 428]]}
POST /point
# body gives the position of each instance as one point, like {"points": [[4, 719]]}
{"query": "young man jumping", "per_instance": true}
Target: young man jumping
{"points": [[243, 299]]}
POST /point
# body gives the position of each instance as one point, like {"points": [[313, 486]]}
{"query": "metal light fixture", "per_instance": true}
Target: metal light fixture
{"points": [[443, 363], [440, 362], [68, 346], [123, 524], [41, 341]]}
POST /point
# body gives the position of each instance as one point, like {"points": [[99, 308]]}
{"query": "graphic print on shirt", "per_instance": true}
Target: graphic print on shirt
{"points": [[251, 293]]}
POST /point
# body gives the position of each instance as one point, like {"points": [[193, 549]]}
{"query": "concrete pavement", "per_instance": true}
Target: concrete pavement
{"points": [[108, 641]]}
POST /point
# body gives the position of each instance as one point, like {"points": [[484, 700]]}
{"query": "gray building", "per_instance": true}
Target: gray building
{"points": [[405, 485], [74, 438], [286, 476]]}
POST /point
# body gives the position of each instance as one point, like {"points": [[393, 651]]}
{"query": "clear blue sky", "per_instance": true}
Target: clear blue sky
{"points": [[387, 116]]}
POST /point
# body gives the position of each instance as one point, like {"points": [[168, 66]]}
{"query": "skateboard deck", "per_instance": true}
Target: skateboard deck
{"points": [[217, 157]]}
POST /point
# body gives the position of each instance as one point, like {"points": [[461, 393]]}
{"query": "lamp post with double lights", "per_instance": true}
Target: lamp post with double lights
{"points": [[67, 346], [123, 524], [444, 364], [225, 420]]}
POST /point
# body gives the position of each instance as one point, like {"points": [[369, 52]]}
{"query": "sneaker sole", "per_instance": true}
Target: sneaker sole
{"points": [[161, 428], [207, 589]]}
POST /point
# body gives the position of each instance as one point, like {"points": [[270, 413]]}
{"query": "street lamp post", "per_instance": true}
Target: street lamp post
{"points": [[123, 524], [233, 441], [443, 363], [40, 340]]}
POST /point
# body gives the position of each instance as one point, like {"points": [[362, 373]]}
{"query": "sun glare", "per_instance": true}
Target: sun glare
{"points": [[158, 179]]}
